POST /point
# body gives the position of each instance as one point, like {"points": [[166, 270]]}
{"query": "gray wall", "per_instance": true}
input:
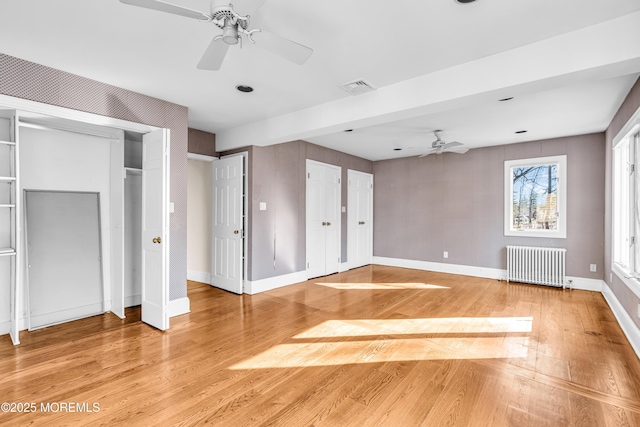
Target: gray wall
{"points": [[627, 298], [277, 236], [24, 79], [454, 203]]}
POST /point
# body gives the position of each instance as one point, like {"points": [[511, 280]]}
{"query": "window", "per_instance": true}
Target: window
{"points": [[626, 215], [535, 197]]}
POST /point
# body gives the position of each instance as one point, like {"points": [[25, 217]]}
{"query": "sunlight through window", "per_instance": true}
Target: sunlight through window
{"points": [[376, 341], [381, 286]]}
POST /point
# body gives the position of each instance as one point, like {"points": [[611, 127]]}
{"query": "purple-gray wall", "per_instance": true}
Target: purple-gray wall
{"points": [[277, 236], [27, 80], [455, 203], [623, 294]]}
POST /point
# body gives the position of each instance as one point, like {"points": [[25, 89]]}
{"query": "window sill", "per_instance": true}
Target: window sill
{"points": [[632, 283]]}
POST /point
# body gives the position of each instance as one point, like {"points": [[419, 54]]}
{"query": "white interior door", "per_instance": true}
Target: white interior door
{"points": [[227, 224], [323, 219], [360, 219], [155, 228]]}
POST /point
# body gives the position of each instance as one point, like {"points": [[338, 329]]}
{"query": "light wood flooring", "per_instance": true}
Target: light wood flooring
{"points": [[372, 346]]}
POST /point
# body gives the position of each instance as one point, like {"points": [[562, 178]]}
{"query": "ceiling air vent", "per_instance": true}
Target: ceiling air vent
{"points": [[358, 87]]}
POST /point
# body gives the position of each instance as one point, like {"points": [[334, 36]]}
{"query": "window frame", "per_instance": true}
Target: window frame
{"points": [[561, 196], [624, 219]]}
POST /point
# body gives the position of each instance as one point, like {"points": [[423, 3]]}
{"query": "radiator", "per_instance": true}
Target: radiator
{"points": [[540, 266]]}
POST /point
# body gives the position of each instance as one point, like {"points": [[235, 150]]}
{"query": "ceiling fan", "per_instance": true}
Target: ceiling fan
{"points": [[439, 146], [233, 26]]}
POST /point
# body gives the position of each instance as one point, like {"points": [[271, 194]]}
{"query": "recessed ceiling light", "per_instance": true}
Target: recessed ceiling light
{"points": [[506, 99], [348, 130], [397, 149], [243, 88], [465, 1], [522, 131]]}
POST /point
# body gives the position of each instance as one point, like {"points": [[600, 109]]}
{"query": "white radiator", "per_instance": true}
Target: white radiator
{"points": [[540, 266]]}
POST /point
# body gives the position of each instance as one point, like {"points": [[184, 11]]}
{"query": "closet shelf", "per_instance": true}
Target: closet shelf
{"points": [[133, 171], [7, 251], [7, 206], [7, 178], [7, 143]]}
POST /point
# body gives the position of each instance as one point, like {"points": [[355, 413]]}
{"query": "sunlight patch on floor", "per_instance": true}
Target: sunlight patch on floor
{"points": [[384, 347], [385, 350], [367, 327], [385, 286]]}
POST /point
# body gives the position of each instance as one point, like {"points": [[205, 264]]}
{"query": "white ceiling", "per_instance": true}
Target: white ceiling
{"points": [[436, 64]]}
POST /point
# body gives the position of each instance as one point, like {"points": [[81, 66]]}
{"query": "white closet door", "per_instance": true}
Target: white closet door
{"points": [[360, 219], [155, 228], [323, 218], [227, 221]]}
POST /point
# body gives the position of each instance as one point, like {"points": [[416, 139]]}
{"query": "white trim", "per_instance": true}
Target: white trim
{"points": [[632, 125], [465, 270], [624, 320], [201, 157], [561, 196], [67, 113], [132, 301], [262, 285], [75, 313], [199, 276], [343, 266], [179, 306], [631, 283], [585, 284]]}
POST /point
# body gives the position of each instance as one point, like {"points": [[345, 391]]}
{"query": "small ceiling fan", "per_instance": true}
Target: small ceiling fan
{"points": [[439, 146], [233, 26]]}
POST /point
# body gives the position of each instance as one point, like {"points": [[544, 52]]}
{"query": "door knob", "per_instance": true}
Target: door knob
{"points": [[324, 223], [328, 223], [157, 240], [235, 231]]}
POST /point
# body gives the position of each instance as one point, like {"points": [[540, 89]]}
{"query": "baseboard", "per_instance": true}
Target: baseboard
{"points": [[584, 284], [624, 320], [67, 315], [252, 287], [179, 306], [464, 270], [132, 300], [199, 276], [343, 266]]}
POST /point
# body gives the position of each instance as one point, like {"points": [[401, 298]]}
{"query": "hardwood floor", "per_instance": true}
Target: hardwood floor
{"points": [[372, 346]]}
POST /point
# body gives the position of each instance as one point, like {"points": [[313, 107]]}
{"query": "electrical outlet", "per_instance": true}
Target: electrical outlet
{"points": [[593, 268], [445, 254]]}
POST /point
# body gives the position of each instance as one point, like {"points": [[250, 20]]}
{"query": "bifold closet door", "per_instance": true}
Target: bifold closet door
{"points": [[64, 267]]}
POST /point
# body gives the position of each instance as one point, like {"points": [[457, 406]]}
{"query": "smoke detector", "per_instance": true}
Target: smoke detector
{"points": [[358, 87]]}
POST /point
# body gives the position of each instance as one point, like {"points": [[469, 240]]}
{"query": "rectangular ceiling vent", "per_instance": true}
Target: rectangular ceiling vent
{"points": [[358, 87]]}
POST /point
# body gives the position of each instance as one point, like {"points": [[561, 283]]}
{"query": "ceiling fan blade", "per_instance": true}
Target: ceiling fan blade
{"points": [[452, 144], [457, 150], [168, 7], [288, 49], [427, 153], [214, 55]]}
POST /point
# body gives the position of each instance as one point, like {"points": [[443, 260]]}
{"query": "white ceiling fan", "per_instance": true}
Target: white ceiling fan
{"points": [[439, 146], [233, 26]]}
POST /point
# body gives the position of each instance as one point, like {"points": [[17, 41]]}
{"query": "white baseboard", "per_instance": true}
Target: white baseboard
{"points": [[67, 315], [132, 300], [179, 306], [262, 285], [624, 320], [584, 284], [199, 276], [465, 270], [343, 266]]}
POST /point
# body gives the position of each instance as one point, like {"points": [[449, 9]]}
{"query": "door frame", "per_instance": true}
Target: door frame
{"points": [[92, 123], [339, 213], [245, 207], [350, 219]]}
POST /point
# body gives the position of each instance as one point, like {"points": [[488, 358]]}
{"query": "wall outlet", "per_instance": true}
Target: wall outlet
{"points": [[445, 254], [263, 206], [593, 268]]}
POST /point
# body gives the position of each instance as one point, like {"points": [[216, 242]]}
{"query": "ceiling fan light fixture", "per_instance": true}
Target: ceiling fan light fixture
{"points": [[522, 131], [230, 33]]}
